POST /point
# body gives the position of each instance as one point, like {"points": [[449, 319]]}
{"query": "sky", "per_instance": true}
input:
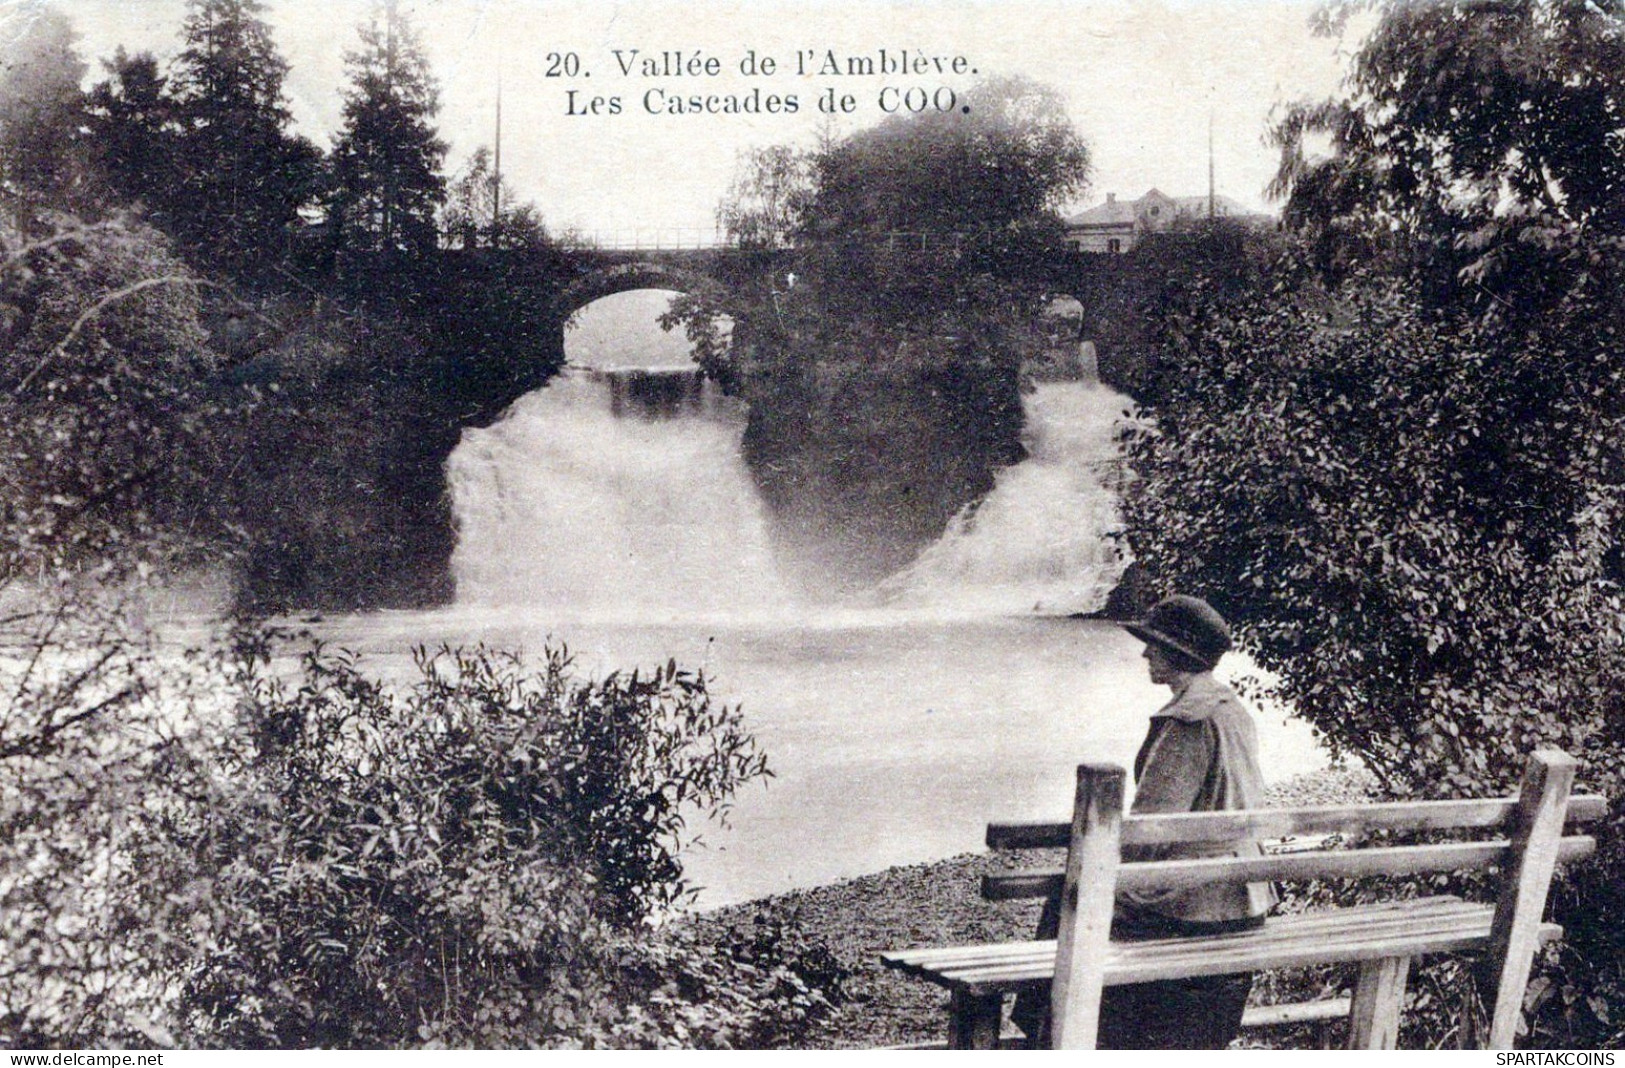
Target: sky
{"points": [[1141, 80]]}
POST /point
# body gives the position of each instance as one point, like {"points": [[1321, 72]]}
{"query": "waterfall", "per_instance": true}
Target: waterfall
{"points": [[624, 494], [1041, 540], [612, 493]]}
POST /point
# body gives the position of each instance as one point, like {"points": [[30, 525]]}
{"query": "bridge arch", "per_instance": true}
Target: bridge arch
{"points": [[626, 277]]}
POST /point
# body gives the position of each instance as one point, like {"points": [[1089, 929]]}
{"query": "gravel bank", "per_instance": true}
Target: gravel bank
{"points": [[934, 904]]}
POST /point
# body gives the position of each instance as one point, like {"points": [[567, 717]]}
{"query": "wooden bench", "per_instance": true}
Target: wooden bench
{"points": [[1381, 938]]}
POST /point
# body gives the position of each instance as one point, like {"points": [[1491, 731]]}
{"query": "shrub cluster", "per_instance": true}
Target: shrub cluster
{"points": [[479, 858], [1394, 457], [1410, 518]]}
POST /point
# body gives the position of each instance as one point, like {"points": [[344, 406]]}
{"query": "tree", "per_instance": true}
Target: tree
{"points": [[892, 285], [923, 230], [481, 210], [1011, 156], [42, 145], [387, 185], [912, 219], [1486, 141], [766, 202], [133, 128], [1406, 522], [106, 414], [243, 177]]}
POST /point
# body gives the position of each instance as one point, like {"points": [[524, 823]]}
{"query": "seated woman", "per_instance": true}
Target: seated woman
{"points": [[1200, 755]]}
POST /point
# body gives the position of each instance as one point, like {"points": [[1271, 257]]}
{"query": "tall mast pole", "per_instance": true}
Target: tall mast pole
{"points": [[496, 174], [1210, 196]]}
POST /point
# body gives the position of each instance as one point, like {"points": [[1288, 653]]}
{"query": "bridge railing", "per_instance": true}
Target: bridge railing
{"points": [[681, 238], [638, 239]]}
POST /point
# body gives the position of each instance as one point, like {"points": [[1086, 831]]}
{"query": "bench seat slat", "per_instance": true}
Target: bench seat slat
{"points": [[1136, 964], [981, 982], [1191, 960], [1038, 972], [1352, 864], [1386, 918], [1318, 924], [1286, 822], [1361, 934], [1301, 924], [1283, 1015]]}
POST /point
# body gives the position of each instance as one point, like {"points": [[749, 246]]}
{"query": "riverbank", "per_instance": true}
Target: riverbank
{"points": [[938, 903]]}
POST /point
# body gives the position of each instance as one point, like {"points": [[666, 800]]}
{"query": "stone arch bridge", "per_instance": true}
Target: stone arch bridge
{"points": [[602, 274], [563, 280], [556, 283]]}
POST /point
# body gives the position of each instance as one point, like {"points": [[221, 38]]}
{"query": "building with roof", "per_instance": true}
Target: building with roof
{"points": [[1119, 225]]}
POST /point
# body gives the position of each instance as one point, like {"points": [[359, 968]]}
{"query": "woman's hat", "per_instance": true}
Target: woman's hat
{"points": [[1187, 625]]}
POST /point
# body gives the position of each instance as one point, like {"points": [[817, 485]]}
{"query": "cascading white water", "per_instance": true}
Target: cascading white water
{"points": [[612, 493], [1039, 542], [615, 514], [623, 494]]}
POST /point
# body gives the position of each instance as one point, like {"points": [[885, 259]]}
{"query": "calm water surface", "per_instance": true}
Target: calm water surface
{"points": [[893, 737]]}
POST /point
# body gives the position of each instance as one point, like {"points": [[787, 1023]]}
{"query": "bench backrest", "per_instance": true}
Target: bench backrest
{"points": [[1530, 843]]}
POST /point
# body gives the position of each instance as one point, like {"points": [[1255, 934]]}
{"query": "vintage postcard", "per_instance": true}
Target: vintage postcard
{"points": [[712, 417]]}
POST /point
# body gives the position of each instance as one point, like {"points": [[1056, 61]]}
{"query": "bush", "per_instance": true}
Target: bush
{"points": [[95, 930], [470, 863], [105, 414], [1410, 521], [477, 860]]}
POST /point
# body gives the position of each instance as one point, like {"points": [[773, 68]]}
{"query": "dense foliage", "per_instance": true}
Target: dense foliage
{"points": [[1393, 456], [470, 862], [104, 406], [320, 292], [1478, 143], [322, 860], [1413, 524]]}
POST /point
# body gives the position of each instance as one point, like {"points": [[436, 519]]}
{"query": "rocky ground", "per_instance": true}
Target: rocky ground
{"points": [[936, 904]]}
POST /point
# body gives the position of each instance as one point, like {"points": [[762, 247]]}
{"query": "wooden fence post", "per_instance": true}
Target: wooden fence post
{"points": [[1525, 879], [1086, 906]]}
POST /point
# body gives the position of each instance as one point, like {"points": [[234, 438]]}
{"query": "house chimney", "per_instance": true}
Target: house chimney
{"points": [[1111, 198]]}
